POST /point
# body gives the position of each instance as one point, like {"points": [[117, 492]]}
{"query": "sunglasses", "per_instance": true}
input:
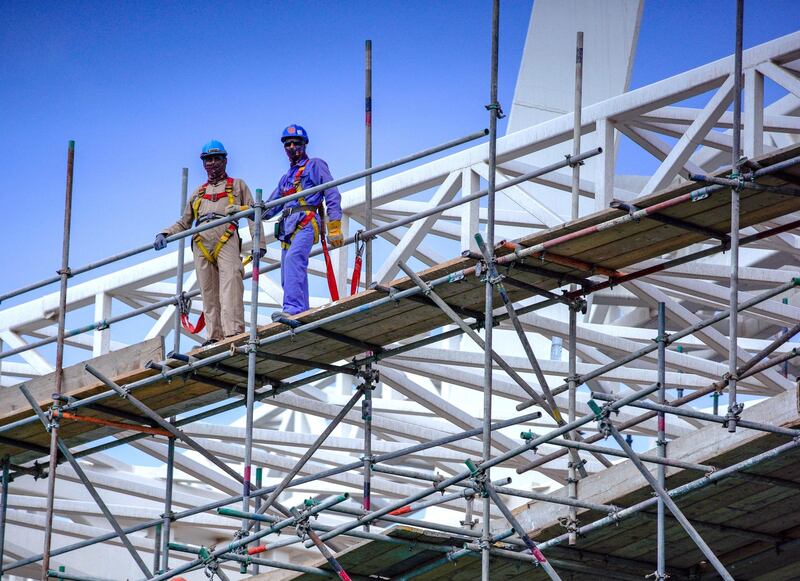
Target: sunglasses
{"points": [[292, 143]]}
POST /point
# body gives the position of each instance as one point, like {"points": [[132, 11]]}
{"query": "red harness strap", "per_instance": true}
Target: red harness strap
{"points": [[201, 323], [357, 268], [329, 271], [215, 197], [310, 213], [184, 306]]}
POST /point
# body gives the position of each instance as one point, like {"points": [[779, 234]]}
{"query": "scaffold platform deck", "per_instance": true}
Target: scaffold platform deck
{"points": [[598, 245]]}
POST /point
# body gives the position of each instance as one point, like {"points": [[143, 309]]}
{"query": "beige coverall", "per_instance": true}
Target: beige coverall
{"points": [[221, 283]]}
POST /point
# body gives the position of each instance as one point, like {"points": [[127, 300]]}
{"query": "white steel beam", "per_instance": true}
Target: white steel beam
{"points": [[686, 145]]}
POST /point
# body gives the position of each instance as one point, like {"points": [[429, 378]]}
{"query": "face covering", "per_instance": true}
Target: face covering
{"points": [[215, 168]]}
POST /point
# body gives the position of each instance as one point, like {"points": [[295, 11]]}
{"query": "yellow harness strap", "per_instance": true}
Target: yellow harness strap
{"points": [[212, 256], [297, 186]]}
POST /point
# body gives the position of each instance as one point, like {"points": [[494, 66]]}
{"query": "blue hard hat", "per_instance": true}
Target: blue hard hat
{"points": [[213, 147], [294, 131]]}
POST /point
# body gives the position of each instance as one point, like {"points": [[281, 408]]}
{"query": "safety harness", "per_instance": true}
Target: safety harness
{"points": [[184, 305], [229, 231], [310, 211]]}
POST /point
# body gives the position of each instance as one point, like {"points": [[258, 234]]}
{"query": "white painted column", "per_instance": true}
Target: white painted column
{"points": [[470, 212], [604, 166], [101, 342], [753, 119]]}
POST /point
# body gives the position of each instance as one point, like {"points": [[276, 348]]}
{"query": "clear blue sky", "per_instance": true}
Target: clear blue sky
{"points": [[140, 86]]}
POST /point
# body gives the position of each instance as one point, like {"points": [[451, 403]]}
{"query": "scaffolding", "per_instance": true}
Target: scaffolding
{"points": [[461, 294]]}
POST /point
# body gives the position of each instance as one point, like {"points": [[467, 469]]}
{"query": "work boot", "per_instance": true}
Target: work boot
{"points": [[208, 342], [278, 315]]}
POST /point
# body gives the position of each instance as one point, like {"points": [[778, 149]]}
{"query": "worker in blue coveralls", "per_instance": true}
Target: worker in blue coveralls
{"points": [[301, 221]]}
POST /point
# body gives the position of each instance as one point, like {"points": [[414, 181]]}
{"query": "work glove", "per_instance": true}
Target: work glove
{"points": [[335, 237], [233, 208], [259, 253], [160, 242]]}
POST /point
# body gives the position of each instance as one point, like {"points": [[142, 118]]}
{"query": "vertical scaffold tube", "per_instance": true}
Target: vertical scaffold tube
{"points": [[176, 341], [3, 507], [661, 566], [572, 476], [62, 312], [734, 408], [494, 108], [165, 529], [367, 160], [251, 362], [366, 415], [259, 483]]}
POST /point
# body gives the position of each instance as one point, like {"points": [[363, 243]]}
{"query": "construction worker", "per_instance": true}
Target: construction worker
{"points": [[301, 220], [216, 251]]}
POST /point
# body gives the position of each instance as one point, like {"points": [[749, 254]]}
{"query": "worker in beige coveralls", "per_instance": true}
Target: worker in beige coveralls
{"points": [[216, 251]]}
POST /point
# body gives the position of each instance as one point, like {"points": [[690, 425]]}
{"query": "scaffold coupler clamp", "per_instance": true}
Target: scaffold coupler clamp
{"points": [[480, 481], [168, 514], [497, 108], [302, 526], [183, 303], [53, 415], [571, 524], [571, 163], [389, 290], [360, 241], [657, 576], [238, 536], [63, 271], [601, 414], [369, 376], [739, 178], [210, 562], [579, 305], [529, 437], [577, 465], [733, 414]]}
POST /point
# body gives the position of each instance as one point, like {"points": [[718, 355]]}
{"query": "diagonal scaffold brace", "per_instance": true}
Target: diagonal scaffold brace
{"points": [[481, 483], [125, 394], [497, 281], [472, 334], [49, 425], [606, 427]]}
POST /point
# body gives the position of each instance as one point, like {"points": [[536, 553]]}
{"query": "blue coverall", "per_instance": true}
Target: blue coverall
{"points": [[296, 241]]}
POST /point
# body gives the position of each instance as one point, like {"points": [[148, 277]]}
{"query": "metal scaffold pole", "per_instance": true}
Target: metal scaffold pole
{"points": [[572, 475], [367, 162], [252, 352], [735, 408], [168, 514], [64, 274], [366, 415], [494, 110], [3, 508], [661, 562], [259, 501], [176, 341]]}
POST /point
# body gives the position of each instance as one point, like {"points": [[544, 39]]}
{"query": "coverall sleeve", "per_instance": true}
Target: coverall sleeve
{"points": [[333, 199], [270, 212], [246, 197], [185, 221]]}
